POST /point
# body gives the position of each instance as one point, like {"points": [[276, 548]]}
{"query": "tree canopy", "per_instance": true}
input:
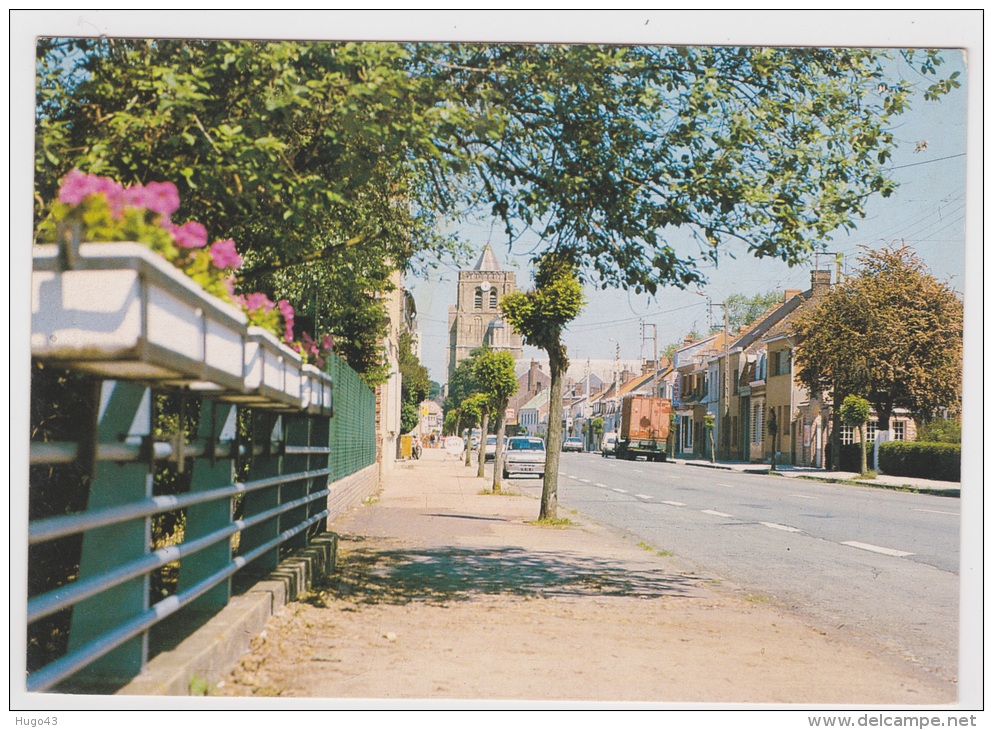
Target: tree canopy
{"points": [[891, 334], [336, 162]]}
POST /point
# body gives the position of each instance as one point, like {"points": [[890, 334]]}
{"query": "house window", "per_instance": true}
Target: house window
{"points": [[781, 362], [493, 299], [899, 430], [870, 431], [478, 300], [847, 435], [757, 422]]}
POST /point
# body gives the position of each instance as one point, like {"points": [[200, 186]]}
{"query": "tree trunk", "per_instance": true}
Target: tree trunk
{"points": [[836, 431], [498, 457], [863, 460], [481, 455], [557, 365]]}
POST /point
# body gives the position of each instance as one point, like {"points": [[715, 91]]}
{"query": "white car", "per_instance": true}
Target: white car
{"points": [[524, 455], [490, 451]]}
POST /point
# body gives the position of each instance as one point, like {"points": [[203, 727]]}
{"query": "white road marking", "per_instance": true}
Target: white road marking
{"points": [[802, 496], [877, 549], [585, 481], [715, 513], [599, 484], [638, 471], [938, 512], [622, 491], [775, 526], [725, 485], [675, 504], [643, 496]]}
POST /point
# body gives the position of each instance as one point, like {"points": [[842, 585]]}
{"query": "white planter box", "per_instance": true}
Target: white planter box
{"points": [[125, 313]]}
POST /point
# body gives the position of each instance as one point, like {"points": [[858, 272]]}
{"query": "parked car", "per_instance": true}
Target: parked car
{"points": [[608, 446], [490, 450], [573, 443], [525, 455]]}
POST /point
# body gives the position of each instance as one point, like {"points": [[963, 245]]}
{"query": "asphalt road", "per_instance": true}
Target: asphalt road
{"points": [[880, 564]]}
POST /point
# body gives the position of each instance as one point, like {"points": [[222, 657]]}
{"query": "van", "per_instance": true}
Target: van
{"points": [[608, 446]]}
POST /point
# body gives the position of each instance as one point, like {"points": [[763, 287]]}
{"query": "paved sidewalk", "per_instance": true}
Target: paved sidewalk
{"points": [[448, 592], [884, 481]]}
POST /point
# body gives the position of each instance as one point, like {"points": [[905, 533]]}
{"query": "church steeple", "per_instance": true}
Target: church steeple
{"points": [[487, 261]]}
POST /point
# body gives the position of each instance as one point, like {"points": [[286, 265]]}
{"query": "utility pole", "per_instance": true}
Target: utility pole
{"points": [[617, 376], [655, 351]]}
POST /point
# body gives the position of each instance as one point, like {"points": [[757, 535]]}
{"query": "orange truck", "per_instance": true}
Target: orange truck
{"points": [[644, 428]]}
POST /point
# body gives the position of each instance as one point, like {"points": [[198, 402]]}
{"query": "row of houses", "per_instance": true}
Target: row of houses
{"points": [[745, 382]]}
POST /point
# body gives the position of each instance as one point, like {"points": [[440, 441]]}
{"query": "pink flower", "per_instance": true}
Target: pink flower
{"points": [[327, 343], [76, 186], [229, 282], [161, 197], [224, 255], [189, 235], [255, 302], [286, 309], [134, 196]]}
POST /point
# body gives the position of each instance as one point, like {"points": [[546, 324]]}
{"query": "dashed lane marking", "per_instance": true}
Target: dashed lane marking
{"points": [[877, 549], [777, 526], [599, 484], [802, 496], [715, 513], [585, 481], [622, 491], [643, 496], [725, 485], [938, 512], [675, 504]]}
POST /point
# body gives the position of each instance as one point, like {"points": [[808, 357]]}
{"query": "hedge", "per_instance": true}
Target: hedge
{"points": [[922, 459], [850, 457]]}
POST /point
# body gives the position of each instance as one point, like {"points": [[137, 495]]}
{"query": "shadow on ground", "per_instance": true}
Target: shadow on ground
{"points": [[397, 577]]}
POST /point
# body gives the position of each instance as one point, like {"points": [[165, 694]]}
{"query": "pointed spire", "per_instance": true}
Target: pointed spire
{"points": [[487, 261]]}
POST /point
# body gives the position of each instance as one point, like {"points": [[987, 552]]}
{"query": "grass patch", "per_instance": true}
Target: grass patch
{"points": [[868, 475], [557, 522], [756, 599], [501, 493], [661, 553]]}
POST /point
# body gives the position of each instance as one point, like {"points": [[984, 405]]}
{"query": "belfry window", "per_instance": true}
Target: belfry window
{"points": [[478, 302]]}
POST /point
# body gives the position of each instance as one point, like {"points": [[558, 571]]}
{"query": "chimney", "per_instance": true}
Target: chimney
{"points": [[649, 366], [790, 293], [820, 281]]}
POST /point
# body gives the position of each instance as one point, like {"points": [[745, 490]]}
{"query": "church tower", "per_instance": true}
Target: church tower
{"points": [[476, 320]]}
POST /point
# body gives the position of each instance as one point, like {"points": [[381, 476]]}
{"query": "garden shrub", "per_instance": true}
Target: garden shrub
{"points": [[922, 459]]}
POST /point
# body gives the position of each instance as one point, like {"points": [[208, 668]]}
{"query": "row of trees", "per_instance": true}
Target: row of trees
{"points": [[334, 164], [480, 389]]}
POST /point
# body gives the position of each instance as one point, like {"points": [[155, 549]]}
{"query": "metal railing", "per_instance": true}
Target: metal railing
{"points": [[112, 611]]}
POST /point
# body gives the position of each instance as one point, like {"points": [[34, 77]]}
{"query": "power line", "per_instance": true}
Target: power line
{"points": [[928, 162]]}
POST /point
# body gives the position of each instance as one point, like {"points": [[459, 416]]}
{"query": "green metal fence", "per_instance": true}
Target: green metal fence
{"points": [[353, 427]]}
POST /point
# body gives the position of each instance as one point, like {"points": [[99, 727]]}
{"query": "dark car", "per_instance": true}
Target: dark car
{"points": [[573, 443]]}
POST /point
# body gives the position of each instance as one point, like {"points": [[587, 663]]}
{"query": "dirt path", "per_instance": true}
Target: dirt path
{"points": [[448, 593]]}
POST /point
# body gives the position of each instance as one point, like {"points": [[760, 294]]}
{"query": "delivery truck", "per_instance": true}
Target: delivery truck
{"points": [[644, 428]]}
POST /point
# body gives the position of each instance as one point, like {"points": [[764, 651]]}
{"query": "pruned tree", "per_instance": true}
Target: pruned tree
{"points": [[855, 411], [540, 315], [494, 373]]}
